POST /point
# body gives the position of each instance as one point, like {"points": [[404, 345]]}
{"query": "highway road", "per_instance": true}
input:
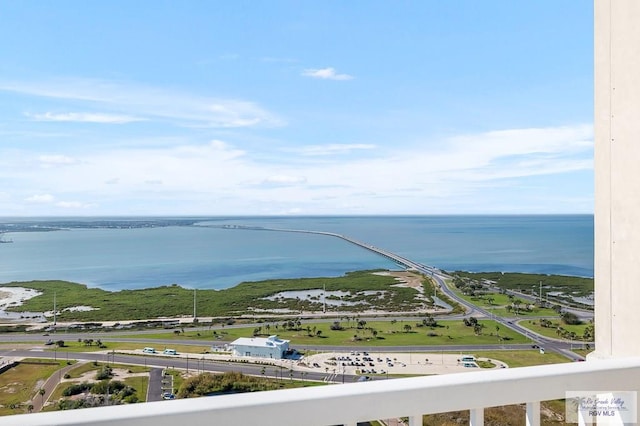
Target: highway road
{"points": [[548, 344], [188, 364]]}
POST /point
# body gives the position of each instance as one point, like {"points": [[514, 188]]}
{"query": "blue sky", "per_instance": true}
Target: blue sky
{"points": [[296, 107]]}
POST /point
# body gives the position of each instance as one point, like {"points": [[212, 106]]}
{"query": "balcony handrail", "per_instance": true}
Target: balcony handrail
{"points": [[351, 403]]}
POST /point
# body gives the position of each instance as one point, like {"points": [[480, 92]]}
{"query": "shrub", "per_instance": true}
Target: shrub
{"points": [[77, 389], [104, 373]]}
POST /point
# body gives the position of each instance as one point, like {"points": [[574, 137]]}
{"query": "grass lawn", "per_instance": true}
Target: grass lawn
{"points": [[499, 303], [19, 384], [522, 358], [535, 312], [388, 334], [74, 347], [534, 326], [139, 383]]}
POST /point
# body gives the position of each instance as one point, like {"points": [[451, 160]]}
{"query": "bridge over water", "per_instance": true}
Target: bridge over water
{"points": [[407, 263]]}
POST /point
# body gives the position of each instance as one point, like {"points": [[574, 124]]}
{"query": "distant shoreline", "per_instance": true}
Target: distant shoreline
{"points": [[79, 302], [193, 251]]}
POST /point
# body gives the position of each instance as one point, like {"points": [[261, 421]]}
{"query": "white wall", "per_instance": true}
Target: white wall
{"points": [[262, 352], [617, 177]]}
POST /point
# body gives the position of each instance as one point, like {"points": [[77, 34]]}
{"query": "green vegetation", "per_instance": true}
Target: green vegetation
{"points": [[505, 305], [559, 330], [19, 384], [116, 391], [127, 390], [522, 358], [353, 331], [232, 382], [174, 300], [524, 283]]}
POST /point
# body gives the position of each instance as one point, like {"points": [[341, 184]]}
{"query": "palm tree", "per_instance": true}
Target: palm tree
{"points": [[477, 329], [516, 305], [42, 392]]}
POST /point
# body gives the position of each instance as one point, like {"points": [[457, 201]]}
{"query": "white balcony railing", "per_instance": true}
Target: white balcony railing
{"points": [[351, 403]]}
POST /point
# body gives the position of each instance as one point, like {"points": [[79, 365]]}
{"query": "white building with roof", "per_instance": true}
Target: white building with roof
{"points": [[270, 347]]}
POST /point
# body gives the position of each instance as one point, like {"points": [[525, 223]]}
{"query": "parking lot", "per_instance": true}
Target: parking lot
{"points": [[357, 362]]}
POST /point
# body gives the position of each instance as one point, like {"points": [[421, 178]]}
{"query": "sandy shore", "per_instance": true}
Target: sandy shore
{"points": [[14, 296]]}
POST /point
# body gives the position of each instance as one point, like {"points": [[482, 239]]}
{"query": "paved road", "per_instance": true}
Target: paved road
{"points": [[548, 344], [154, 390], [189, 364], [49, 386]]}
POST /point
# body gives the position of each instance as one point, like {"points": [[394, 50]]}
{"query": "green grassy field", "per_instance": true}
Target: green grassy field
{"points": [[535, 326], [514, 281], [20, 383], [497, 302], [389, 333], [522, 358], [139, 383], [172, 301]]}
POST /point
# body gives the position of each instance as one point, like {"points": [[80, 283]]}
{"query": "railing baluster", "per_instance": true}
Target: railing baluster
{"points": [[476, 417], [533, 413], [415, 420]]}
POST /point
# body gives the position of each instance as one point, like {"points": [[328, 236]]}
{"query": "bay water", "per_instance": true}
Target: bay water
{"points": [[208, 255]]}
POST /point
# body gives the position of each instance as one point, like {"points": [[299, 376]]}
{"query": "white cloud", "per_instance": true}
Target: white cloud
{"points": [[331, 149], [40, 198], [74, 205], [55, 160], [326, 74], [285, 180], [456, 174], [84, 117], [137, 102]]}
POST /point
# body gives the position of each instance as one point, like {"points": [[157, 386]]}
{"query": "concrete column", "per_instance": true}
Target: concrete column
{"points": [[617, 177]]}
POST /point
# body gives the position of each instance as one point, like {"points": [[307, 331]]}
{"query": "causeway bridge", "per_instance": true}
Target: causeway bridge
{"points": [[407, 263]]}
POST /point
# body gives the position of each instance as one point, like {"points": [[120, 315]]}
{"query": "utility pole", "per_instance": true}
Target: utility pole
{"points": [[194, 303], [54, 309], [324, 298], [540, 293]]}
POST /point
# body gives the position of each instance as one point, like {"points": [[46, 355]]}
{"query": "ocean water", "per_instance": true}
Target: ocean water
{"points": [[206, 255]]}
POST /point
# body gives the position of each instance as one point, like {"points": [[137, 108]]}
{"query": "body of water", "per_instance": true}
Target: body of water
{"points": [[206, 255]]}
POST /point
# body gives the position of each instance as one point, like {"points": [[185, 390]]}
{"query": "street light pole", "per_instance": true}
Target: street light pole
{"points": [[194, 303]]}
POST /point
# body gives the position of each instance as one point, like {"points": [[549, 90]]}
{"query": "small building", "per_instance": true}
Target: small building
{"points": [[270, 347]]}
